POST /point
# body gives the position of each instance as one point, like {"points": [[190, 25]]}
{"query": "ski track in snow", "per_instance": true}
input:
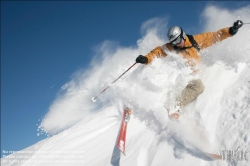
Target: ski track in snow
{"points": [[218, 120]]}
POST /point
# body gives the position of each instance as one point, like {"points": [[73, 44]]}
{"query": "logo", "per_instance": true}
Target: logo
{"points": [[170, 37], [127, 117], [121, 144], [236, 155]]}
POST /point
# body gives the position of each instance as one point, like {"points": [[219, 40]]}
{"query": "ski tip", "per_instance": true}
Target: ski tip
{"points": [[128, 111], [214, 156], [93, 99]]}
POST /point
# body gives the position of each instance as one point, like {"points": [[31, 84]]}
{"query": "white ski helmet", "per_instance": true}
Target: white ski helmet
{"points": [[175, 34]]}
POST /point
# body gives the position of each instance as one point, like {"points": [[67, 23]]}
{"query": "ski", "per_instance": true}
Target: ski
{"points": [[121, 143], [213, 156]]}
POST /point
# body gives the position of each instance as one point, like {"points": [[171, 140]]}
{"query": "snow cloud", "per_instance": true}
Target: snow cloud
{"points": [[111, 60]]}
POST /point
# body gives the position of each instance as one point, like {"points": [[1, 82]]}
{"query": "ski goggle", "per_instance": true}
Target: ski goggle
{"points": [[176, 41]]}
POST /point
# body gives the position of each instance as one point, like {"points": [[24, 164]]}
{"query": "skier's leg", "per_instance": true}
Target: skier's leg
{"points": [[190, 93]]}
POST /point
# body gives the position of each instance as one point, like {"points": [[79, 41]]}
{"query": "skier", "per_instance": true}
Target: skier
{"points": [[188, 46]]}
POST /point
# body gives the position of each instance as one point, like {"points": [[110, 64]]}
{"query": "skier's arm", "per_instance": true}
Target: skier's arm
{"points": [[209, 38], [157, 52]]}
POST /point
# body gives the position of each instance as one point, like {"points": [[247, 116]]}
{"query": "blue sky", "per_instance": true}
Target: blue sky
{"points": [[44, 43]]}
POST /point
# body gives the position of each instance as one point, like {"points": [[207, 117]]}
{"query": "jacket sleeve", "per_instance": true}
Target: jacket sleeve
{"points": [[159, 51], [207, 39]]}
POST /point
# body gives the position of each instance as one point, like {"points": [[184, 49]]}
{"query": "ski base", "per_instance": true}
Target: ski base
{"points": [[121, 143]]}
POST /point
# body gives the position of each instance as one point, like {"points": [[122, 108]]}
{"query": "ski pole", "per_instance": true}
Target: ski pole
{"points": [[94, 98]]}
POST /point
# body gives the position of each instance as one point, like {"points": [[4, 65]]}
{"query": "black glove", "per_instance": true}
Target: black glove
{"points": [[141, 59], [234, 29]]}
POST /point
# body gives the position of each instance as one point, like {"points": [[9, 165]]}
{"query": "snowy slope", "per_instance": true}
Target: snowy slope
{"points": [[92, 141], [218, 120]]}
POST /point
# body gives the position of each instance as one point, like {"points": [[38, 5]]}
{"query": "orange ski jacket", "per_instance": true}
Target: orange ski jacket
{"points": [[204, 40]]}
